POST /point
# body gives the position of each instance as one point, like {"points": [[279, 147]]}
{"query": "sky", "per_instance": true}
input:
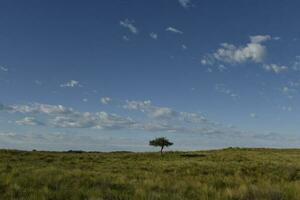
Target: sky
{"points": [[111, 75]]}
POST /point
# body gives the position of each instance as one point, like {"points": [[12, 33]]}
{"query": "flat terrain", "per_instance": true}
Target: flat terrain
{"points": [[232, 173]]}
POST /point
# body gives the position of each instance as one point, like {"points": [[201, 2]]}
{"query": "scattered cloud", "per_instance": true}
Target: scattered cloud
{"points": [[185, 3], [275, 68], [29, 121], [156, 118], [288, 91], [208, 60], [106, 100], [253, 115], [287, 108], [174, 30], [150, 110], [71, 84], [38, 82], [163, 113], [125, 38], [184, 47], [209, 70], [232, 54], [3, 68], [260, 38], [154, 36], [7, 134], [62, 117], [223, 89], [221, 68], [129, 24], [255, 51], [296, 64], [113, 121], [99, 120], [294, 84], [37, 108]]}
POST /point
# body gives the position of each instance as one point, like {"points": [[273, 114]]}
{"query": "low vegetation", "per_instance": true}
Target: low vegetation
{"points": [[245, 174]]}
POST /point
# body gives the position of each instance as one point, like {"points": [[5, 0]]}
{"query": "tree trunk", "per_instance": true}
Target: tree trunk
{"points": [[161, 150]]}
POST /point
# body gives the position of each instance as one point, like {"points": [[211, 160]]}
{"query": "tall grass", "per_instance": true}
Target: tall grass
{"points": [[229, 174]]}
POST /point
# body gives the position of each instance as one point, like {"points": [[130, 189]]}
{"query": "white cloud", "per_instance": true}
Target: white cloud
{"points": [[3, 68], [296, 64], [29, 121], [154, 36], [260, 38], [68, 118], [287, 108], [37, 108], [156, 118], [294, 83], [254, 51], [8, 134], [129, 25], [289, 92], [174, 30], [113, 121], [137, 105], [253, 115], [275, 68], [150, 110], [184, 47], [71, 83], [125, 38], [105, 100], [163, 113], [208, 60], [85, 120], [99, 120], [229, 53], [185, 3], [285, 89], [223, 89], [209, 70], [221, 68], [38, 82], [192, 117]]}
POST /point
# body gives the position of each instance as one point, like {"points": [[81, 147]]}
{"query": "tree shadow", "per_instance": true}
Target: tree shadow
{"points": [[193, 155]]}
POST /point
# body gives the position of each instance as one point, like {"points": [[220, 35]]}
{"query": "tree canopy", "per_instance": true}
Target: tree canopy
{"points": [[160, 142]]}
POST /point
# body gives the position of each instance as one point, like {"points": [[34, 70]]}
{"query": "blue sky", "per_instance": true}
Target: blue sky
{"points": [[110, 75]]}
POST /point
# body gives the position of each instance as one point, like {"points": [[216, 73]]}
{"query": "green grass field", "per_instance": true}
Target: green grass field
{"points": [[246, 174]]}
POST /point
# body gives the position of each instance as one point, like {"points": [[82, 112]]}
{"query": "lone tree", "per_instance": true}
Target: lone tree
{"points": [[160, 142]]}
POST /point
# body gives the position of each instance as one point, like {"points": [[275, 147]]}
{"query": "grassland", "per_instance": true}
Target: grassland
{"points": [[246, 174]]}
